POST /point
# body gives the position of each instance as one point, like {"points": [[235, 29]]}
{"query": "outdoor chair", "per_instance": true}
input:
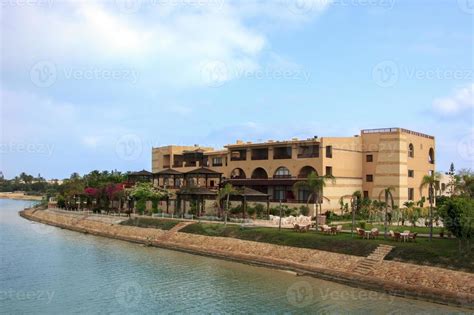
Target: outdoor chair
{"points": [[338, 229], [397, 236], [361, 232], [374, 233], [412, 237], [296, 227]]}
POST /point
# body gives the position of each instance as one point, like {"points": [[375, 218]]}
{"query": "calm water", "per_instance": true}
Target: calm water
{"points": [[47, 270]]}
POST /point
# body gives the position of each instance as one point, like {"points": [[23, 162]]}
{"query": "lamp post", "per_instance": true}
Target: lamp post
{"points": [[354, 207], [279, 222]]}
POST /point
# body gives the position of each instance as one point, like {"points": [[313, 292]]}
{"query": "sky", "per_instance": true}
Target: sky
{"points": [[91, 85]]}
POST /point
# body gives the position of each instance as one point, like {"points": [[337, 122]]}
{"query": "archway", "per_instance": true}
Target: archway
{"points": [[259, 173], [238, 173], [306, 170]]}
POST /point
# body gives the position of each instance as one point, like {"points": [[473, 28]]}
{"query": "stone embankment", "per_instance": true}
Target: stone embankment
{"points": [[402, 279]]}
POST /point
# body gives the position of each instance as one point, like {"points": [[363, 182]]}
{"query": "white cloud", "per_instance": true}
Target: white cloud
{"points": [[461, 100], [169, 38]]}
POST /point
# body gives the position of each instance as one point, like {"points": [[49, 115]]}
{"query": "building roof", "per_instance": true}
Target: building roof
{"points": [[249, 192], [196, 191], [141, 173], [168, 171], [203, 171]]}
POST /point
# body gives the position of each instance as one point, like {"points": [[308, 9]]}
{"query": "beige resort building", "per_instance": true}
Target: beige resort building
{"points": [[369, 162]]}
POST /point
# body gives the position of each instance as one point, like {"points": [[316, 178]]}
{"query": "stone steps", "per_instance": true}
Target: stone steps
{"points": [[368, 264], [175, 229]]}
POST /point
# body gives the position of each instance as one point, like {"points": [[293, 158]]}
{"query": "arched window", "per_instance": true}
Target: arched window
{"points": [[411, 150], [259, 173], [238, 173], [282, 172], [431, 156], [305, 171]]}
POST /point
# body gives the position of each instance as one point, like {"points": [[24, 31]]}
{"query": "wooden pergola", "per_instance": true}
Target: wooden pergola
{"points": [[140, 176], [167, 174], [245, 194], [202, 172], [194, 193]]}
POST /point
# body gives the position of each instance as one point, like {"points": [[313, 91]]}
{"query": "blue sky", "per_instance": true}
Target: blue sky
{"points": [[94, 85]]}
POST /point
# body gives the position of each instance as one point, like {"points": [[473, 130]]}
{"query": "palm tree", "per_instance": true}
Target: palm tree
{"points": [[432, 182], [225, 192], [355, 202], [388, 200], [314, 184]]}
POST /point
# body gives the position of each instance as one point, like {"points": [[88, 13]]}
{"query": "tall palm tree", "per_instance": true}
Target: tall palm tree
{"points": [[388, 202], [225, 192], [432, 182], [314, 184], [355, 204]]}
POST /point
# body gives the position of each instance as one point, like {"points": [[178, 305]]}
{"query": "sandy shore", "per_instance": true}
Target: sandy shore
{"points": [[19, 196], [432, 284]]}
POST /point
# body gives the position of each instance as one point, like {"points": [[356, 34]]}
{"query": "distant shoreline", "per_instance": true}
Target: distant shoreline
{"points": [[19, 196]]}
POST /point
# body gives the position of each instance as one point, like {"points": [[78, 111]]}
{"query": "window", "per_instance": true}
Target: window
{"points": [[411, 173], [212, 183], [282, 172], [303, 195], [280, 153], [443, 186], [259, 154], [369, 158], [411, 193], [217, 161], [369, 178], [411, 150], [366, 194], [329, 151], [431, 157], [328, 170], [279, 193]]}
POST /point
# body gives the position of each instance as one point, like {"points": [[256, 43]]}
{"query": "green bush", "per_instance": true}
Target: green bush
{"points": [[361, 224], [304, 210], [259, 209]]}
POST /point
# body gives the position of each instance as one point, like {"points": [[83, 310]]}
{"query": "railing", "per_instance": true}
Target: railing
{"points": [[238, 158], [308, 155], [178, 164], [258, 158], [217, 164], [282, 157], [281, 176]]}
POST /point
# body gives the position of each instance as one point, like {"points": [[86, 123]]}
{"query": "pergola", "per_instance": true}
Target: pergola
{"points": [[245, 194], [202, 172], [167, 174], [195, 193], [140, 176]]}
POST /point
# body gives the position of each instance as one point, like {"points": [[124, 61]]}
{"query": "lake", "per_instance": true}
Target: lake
{"points": [[47, 270]]}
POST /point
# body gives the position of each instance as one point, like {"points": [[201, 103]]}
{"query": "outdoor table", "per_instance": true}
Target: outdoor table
{"points": [[367, 234], [404, 236]]}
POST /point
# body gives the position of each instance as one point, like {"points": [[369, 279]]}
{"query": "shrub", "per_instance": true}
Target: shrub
{"points": [[361, 225], [259, 209], [304, 210]]}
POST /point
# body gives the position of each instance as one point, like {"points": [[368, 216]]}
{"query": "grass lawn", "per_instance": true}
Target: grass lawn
{"points": [[162, 224], [440, 252], [395, 228]]}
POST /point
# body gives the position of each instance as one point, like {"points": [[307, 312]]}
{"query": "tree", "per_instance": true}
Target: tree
{"points": [[432, 182], [142, 192], [225, 192], [457, 214], [388, 200], [314, 184]]}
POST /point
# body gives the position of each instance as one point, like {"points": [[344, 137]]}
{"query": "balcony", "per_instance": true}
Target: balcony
{"points": [[259, 154], [282, 153], [308, 155], [178, 164]]}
